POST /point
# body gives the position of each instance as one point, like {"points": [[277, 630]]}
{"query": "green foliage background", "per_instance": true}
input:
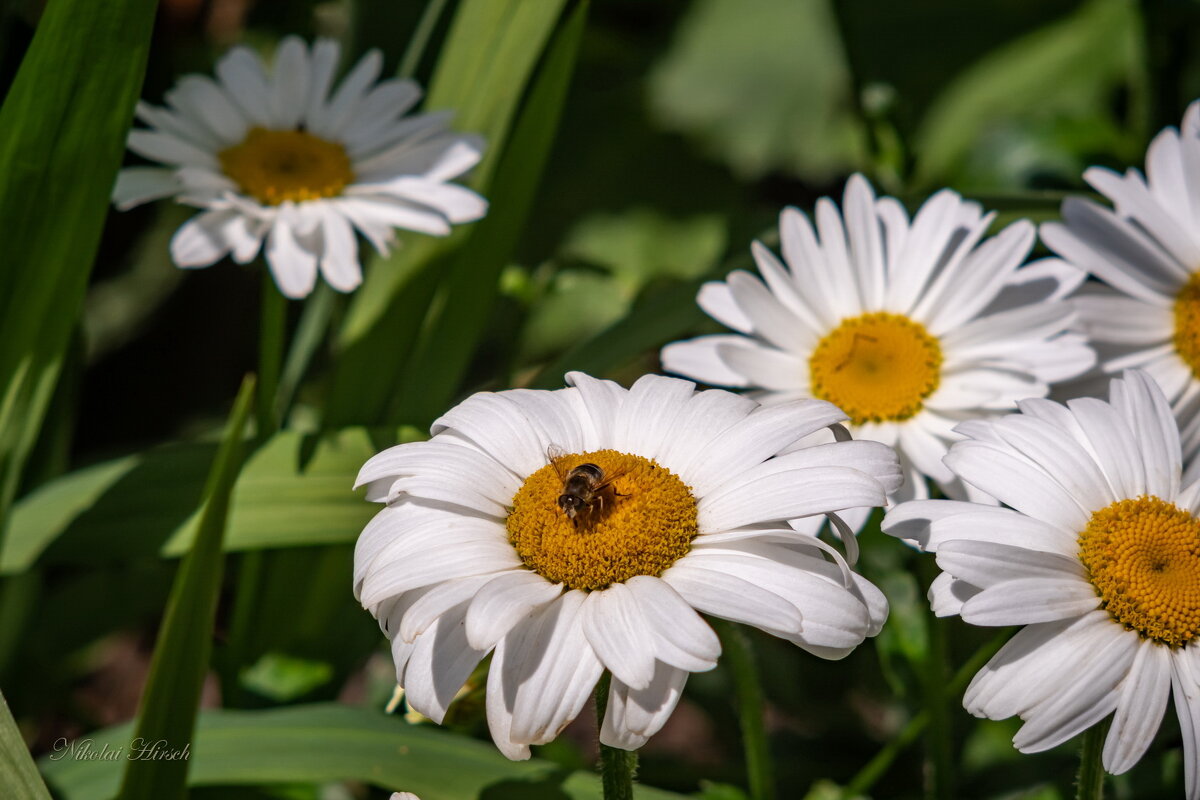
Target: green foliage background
{"points": [[635, 150]]}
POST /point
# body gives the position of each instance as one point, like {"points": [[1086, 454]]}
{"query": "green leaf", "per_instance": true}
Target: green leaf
{"points": [[1047, 94], [642, 244], [327, 742], [651, 323], [283, 678], [18, 773], [453, 330], [181, 654], [763, 85], [294, 490], [62, 134], [488, 57]]}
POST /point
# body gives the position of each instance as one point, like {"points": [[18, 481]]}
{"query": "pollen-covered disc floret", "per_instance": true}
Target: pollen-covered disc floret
{"points": [[641, 527], [1144, 311], [1143, 557], [908, 325], [287, 160], [876, 367], [1098, 558], [275, 167], [586, 529]]}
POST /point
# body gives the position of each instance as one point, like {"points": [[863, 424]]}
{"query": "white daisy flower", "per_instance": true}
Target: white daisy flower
{"points": [[1098, 557], [275, 155], [492, 542], [1147, 250], [909, 327]]}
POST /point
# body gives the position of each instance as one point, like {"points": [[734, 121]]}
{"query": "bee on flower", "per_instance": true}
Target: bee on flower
{"points": [[683, 507]]}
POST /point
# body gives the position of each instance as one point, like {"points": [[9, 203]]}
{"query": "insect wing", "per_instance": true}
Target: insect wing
{"points": [[558, 459]]}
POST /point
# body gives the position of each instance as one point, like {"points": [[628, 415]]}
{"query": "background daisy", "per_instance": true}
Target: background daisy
{"points": [[282, 155], [908, 326], [1146, 249], [1097, 557], [474, 551]]}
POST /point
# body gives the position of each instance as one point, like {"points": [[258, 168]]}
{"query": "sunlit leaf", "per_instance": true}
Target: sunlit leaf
{"points": [[331, 743], [440, 360], [62, 134], [763, 84], [488, 58], [294, 490]]}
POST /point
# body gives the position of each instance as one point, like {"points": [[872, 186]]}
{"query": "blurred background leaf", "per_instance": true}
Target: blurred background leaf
{"points": [[1002, 123], [762, 85]]}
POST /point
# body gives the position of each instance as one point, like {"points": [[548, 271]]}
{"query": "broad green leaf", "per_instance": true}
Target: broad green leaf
{"points": [[62, 134], [294, 490], [618, 254], [642, 244], [327, 742], [763, 85], [578, 305], [1041, 101], [452, 331], [168, 708], [488, 58], [19, 777]]}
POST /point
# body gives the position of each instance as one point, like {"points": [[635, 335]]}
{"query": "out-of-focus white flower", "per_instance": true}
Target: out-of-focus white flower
{"points": [[1098, 557], [583, 529], [1147, 250], [280, 155], [909, 326]]}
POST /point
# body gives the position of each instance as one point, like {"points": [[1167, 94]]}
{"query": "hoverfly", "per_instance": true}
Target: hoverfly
{"points": [[587, 489]]}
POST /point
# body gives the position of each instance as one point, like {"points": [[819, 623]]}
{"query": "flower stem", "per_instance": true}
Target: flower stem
{"points": [[1089, 783], [271, 330], [739, 658], [938, 740], [307, 339], [617, 766]]}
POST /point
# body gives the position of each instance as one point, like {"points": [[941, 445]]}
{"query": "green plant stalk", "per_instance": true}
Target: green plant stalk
{"points": [[182, 652], [617, 766], [272, 324], [310, 332], [241, 627], [420, 38], [874, 769], [1089, 782], [739, 658], [939, 745]]}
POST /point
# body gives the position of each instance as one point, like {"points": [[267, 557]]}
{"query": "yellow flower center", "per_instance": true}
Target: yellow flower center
{"points": [[276, 166], [633, 518], [1143, 557], [876, 367], [1187, 323]]}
